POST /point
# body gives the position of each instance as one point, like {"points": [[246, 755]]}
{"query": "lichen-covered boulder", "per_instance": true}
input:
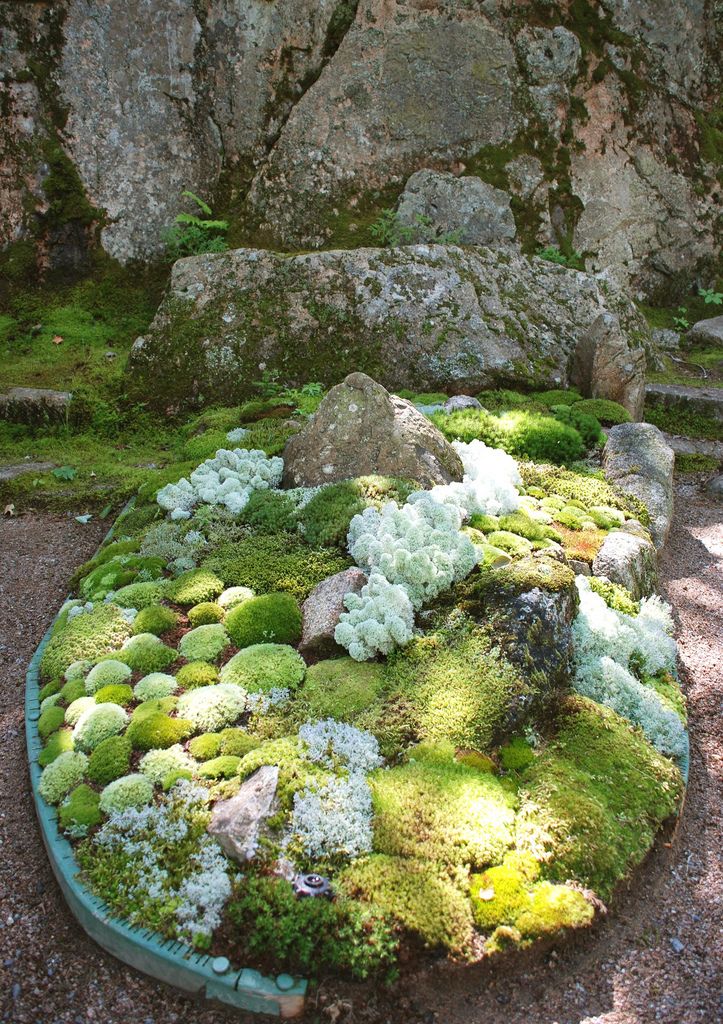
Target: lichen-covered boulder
{"points": [[605, 365], [360, 429], [706, 332], [437, 204], [236, 823], [629, 560], [637, 459], [322, 608], [425, 317]]}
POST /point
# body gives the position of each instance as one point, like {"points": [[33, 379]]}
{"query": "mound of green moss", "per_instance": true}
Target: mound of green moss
{"points": [[271, 618], [110, 760], [155, 618], [87, 636], [194, 587], [264, 667], [325, 519], [341, 688]]}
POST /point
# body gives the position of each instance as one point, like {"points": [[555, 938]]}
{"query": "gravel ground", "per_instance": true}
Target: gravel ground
{"points": [[656, 958]]}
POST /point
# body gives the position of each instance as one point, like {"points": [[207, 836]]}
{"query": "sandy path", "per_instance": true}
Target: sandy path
{"points": [[655, 959]]}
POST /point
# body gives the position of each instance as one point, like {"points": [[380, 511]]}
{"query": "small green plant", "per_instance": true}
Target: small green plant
{"points": [[681, 321], [192, 235], [65, 473], [553, 254], [304, 399], [388, 230], [711, 297]]}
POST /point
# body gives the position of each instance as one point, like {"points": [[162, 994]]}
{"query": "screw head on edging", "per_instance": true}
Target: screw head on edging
{"points": [[220, 965], [284, 982]]}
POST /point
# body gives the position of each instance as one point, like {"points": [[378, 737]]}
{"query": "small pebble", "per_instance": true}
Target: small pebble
{"points": [[677, 945]]}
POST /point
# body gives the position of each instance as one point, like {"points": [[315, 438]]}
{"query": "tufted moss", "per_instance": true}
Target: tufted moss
{"points": [[50, 720], [325, 519], [155, 686], [156, 619], [417, 894], [236, 742], [108, 672], [668, 689], [54, 686], [130, 791], [604, 410], [295, 772], [205, 747], [275, 563], [58, 742], [72, 690], [158, 731], [89, 635], [196, 673], [341, 688], [81, 809], [117, 693], [118, 573], [205, 614], [64, 773], [503, 540], [436, 808], [270, 512], [204, 643], [269, 618], [483, 522], [594, 798], [140, 595], [264, 667], [516, 755], [222, 767], [589, 489], [614, 595], [110, 760], [450, 685], [520, 432], [525, 526], [194, 587], [145, 653]]}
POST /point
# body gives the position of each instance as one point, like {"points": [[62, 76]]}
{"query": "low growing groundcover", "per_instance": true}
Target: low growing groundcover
{"points": [[460, 789]]}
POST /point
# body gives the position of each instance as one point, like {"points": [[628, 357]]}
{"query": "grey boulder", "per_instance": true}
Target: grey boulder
{"points": [[629, 560], [458, 402], [715, 487], [706, 332], [637, 459], [236, 823], [434, 204], [322, 608], [360, 429], [606, 366]]}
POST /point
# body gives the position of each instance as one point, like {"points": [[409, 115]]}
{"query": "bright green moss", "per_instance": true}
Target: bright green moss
{"points": [[204, 643], [117, 574], [450, 685], [264, 667], [158, 731], [140, 595], [524, 526], [341, 688], [590, 490], [441, 810], [64, 773], [557, 397], [72, 690], [205, 614], [270, 618], [275, 563], [604, 410], [160, 705], [81, 810], [129, 791], [55, 686], [520, 432], [119, 693], [236, 742], [270, 512], [614, 595], [595, 797], [204, 446], [516, 546], [155, 686], [586, 425], [325, 519], [417, 894], [195, 587], [516, 755], [223, 767], [205, 747], [98, 723], [170, 780], [145, 653], [109, 760], [50, 720], [668, 689], [485, 523], [58, 742], [295, 772], [196, 673], [89, 635]]}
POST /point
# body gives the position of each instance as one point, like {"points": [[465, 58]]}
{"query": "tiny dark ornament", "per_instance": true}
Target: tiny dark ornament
{"points": [[312, 885]]}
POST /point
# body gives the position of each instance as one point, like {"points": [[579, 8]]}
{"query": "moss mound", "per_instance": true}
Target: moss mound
{"points": [[270, 618], [87, 636], [341, 688], [264, 667]]}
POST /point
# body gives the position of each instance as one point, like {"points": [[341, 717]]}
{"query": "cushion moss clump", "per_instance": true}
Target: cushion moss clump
{"points": [[295, 771], [119, 693], [325, 518], [50, 720], [156, 619], [97, 724], [524, 526], [130, 791], [80, 810], [268, 563], [341, 688], [87, 636], [106, 673], [270, 512], [71, 690], [520, 432], [209, 708], [516, 546], [195, 674], [614, 595], [516, 755], [140, 595], [205, 746], [223, 767], [110, 759], [54, 686], [436, 808], [146, 653], [155, 686], [587, 488], [604, 410], [77, 708], [204, 643], [264, 667], [157, 730], [156, 764], [205, 614], [58, 742], [232, 596], [236, 742], [195, 587], [595, 797], [269, 618], [64, 773], [418, 895]]}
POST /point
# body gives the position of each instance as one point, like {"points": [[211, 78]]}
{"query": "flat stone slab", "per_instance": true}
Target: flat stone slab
{"points": [[705, 400], [637, 459], [32, 405], [21, 468]]}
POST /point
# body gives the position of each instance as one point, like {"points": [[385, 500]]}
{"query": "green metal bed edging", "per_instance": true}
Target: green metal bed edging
{"points": [[167, 960]]}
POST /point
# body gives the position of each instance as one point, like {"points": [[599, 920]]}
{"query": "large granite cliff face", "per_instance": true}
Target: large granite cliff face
{"points": [[305, 117]]}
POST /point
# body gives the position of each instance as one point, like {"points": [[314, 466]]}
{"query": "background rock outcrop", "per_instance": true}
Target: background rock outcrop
{"points": [[425, 317], [301, 121]]}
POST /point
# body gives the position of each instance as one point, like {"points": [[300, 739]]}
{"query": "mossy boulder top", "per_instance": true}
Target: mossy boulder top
{"points": [[360, 429], [426, 317]]}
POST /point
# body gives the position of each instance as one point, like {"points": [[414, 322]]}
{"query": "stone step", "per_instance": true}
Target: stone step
{"points": [[21, 468], [707, 401], [34, 406]]}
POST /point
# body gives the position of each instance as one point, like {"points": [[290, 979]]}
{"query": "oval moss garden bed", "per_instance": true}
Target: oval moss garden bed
{"points": [[489, 749]]}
